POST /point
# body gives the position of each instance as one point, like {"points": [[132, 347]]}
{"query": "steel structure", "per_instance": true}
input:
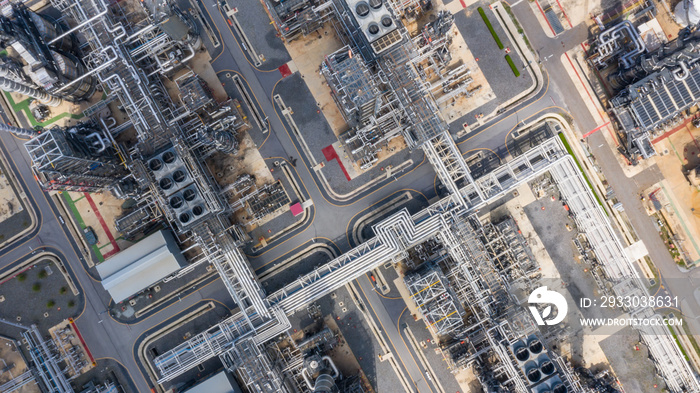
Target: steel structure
{"points": [[620, 270], [240, 340], [46, 359], [434, 299], [655, 88]]}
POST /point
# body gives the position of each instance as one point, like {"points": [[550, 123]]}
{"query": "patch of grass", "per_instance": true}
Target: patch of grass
{"points": [[50, 304], [22, 277], [580, 168], [675, 337], [490, 27], [513, 68], [71, 303], [36, 287], [63, 290], [43, 274]]}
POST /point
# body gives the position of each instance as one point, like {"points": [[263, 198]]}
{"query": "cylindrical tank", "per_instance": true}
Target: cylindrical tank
{"points": [[71, 69], [687, 12]]}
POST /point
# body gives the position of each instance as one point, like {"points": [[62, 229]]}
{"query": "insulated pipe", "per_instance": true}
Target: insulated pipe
{"points": [[99, 141], [682, 73], [101, 14], [6, 72], [44, 97], [18, 131], [336, 374]]}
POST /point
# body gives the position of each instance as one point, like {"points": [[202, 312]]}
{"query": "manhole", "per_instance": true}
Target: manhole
{"points": [[46, 315], [19, 318]]}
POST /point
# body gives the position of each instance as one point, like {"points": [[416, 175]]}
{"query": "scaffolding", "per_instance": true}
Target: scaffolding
{"points": [[436, 301], [253, 367]]}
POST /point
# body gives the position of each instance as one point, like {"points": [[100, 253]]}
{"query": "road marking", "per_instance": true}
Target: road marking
{"points": [[595, 130]]}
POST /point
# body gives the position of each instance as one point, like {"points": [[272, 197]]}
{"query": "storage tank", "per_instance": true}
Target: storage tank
{"points": [[687, 12]]}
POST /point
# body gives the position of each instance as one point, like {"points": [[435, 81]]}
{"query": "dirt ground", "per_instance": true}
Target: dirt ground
{"points": [[64, 333], [10, 357], [9, 203], [109, 208], [480, 88], [679, 153]]}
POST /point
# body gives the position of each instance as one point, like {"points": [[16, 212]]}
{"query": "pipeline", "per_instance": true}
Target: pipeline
{"points": [[44, 97], [18, 131]]}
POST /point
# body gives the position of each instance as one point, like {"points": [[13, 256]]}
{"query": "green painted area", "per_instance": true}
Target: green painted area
{"points": [[24, 107], [678, 342], [580, 168], [513, 68], [81, 223], [490, 27]]}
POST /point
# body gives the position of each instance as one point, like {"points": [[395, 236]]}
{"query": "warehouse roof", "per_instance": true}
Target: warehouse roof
{"points": [[141, 265], [219, 383]]}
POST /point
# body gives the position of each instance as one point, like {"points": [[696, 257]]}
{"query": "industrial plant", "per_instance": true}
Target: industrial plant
{"points": [[194, 193]]}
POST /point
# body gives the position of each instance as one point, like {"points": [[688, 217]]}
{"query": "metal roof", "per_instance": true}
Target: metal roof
{"points": [[219, 383], [141, 265]]}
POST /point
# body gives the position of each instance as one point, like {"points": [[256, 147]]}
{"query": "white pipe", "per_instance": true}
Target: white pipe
{"points": [[336, 374], [101, 14], [682, 73], [99, 140], [95, 70]]}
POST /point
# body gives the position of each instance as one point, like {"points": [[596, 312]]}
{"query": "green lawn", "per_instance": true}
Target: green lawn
{"points": [[488, 24], [515, 69]]}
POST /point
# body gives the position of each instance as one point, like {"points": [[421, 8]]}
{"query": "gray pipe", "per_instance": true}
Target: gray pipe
{"points": [[18, 131], [44, 97]]}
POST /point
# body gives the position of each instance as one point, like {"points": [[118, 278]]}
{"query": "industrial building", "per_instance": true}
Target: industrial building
{"points": [[653, 89], [45, 59], [141, 265]]}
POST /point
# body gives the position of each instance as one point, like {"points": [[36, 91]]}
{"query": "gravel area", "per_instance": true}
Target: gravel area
{"points": [[262, 35], [634, 368]]}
